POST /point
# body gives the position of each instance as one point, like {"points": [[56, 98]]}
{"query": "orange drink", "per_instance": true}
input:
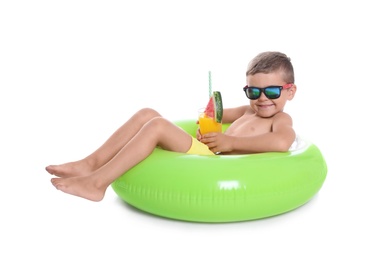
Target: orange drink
{"points": [[208, 124], [210, 118]]}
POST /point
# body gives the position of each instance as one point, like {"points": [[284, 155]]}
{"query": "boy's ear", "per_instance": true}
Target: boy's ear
{"points": [[292, 91]]}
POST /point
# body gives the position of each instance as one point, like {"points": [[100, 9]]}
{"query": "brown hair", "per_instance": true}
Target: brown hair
{"points": [[270, 61]]}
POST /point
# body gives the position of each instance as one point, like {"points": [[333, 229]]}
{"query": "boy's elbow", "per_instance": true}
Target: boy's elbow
{"points": [[283, 146], [284, 142]]}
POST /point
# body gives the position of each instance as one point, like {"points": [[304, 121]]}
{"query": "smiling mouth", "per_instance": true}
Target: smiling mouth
{"points": [[265, 105]]}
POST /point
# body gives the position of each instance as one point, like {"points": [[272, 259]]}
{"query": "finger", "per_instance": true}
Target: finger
{"points": [[211, 145], [205, 140], [209, 135]]}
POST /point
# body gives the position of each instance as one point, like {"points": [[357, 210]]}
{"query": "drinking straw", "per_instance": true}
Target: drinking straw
{"points": [[209, 84]]}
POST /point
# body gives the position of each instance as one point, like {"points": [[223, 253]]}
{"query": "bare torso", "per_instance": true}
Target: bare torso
{"points": [[250, 124]]}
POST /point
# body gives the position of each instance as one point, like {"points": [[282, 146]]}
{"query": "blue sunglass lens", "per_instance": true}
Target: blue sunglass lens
{"points": [[272, 92], [254, 93]]}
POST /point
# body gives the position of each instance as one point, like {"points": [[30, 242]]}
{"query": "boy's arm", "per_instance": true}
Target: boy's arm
{"points": [[279, 139]]}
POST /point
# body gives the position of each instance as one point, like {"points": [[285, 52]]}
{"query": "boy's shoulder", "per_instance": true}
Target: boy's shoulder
{"points": [[282, 116]]}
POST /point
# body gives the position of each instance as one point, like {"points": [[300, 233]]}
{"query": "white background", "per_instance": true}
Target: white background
{"points": [[71, 72]]}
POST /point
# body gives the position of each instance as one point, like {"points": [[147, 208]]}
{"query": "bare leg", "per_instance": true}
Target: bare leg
{"points": [[157, 132], [107, 151]]}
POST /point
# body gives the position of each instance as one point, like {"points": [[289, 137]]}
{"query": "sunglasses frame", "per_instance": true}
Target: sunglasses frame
{"points": [[263, 90]]}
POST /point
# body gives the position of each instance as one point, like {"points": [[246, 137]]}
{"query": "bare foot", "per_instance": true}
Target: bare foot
{"points": [[83, 187], [71, 169]]}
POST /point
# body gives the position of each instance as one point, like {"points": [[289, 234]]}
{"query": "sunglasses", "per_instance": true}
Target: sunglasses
{"points": [[271, 92]]}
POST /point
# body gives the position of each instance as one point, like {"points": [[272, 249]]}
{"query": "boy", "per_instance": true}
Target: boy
{"points": [[261, 126]]}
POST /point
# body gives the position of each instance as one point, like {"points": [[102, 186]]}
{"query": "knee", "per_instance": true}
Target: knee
{"points": [[146, 114], [158, 124]]}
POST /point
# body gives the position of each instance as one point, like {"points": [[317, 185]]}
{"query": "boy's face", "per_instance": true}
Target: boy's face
{"points": [[263, 106]]}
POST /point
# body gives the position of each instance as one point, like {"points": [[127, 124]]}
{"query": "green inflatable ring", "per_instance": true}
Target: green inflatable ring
{"points": [[222, 188]]}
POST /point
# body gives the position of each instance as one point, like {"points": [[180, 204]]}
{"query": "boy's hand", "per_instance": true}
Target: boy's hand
{"points": [[217, 142], [198, 134]]}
